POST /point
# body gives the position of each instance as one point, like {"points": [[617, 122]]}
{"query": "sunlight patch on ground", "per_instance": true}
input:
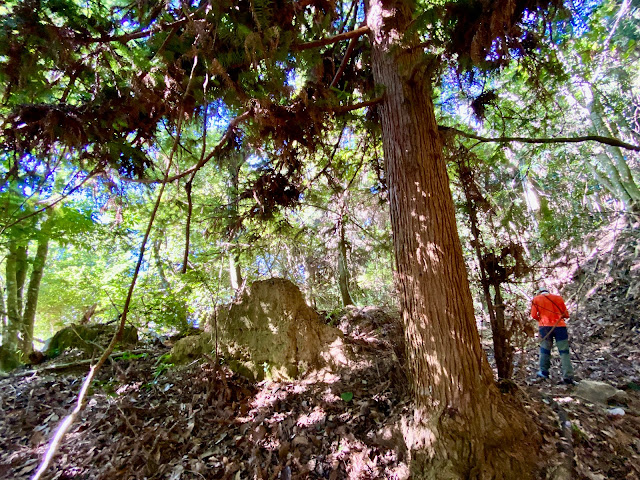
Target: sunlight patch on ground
{"points": [[317, 416], [565, 400]]}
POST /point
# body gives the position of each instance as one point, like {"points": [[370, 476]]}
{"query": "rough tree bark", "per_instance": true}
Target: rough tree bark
{"points": [[463, 427]]}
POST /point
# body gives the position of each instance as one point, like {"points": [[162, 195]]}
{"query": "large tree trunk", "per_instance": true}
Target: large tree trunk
{"points": [[463, 426], [31, 304]]}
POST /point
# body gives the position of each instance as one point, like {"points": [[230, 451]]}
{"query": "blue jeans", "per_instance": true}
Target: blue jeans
{"points": [[562, 342]]}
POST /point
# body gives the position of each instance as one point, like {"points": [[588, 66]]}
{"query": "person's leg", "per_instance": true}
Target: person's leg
{"points": [[545, 351], [562, 342]]}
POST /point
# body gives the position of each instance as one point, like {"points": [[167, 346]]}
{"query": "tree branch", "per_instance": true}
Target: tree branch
{"points": [[355, 106], [329, 40], [345, 62], [203, 161], [614, 142], [127, 37]]}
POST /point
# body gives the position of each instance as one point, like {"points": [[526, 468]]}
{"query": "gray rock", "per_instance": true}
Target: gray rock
{"points": [[616, 411], [598, 392]]}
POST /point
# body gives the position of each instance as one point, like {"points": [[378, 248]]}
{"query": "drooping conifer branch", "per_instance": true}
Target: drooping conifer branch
{"points": [[614, 142]]}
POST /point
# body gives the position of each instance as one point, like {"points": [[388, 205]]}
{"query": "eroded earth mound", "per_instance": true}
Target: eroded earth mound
{"points": [[269, 332]]}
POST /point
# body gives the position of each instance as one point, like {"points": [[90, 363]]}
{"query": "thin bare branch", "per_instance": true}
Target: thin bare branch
{"points": [[614, 142], [203, 161], [329, 40], [82, 396]]}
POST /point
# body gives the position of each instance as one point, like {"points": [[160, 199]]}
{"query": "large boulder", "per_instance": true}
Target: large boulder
{"points": [[91, 339], [270, 332]]}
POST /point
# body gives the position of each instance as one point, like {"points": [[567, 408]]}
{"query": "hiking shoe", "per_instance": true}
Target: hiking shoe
{"points": [[568, 381], [540, 378]]}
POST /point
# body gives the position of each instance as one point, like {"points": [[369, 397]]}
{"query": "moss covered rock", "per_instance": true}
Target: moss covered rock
{"points": [[91, 339], [8, 359]]}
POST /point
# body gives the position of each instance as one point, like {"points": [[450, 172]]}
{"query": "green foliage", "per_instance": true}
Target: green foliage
{"points": [[127, 356], [346, 396], [161, 366]]}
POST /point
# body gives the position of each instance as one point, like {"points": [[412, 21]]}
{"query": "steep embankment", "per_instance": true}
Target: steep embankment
{"points": [[587, 438]]}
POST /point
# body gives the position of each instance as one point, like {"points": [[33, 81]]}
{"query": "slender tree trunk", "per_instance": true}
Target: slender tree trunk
{"points": [[31, 304], [14, 317], [310, 274], [234, 271], [343, 268], [235, 163], [187, 229], [22, 266], [3, 312], [180, 309], [503, 352], [164, 283], [462, 423]]}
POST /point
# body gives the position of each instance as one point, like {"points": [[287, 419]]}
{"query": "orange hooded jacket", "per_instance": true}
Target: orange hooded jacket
{"points": [[549, 310]]}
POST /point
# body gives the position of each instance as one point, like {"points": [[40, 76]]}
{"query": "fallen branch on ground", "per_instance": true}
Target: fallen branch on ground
{"points": [[77, 363]]}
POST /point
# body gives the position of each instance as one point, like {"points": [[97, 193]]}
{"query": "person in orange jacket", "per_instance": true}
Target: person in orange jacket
{"points": [[550, 311]]}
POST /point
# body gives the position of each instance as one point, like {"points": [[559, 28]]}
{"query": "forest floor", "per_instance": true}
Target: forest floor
{"points": [[148, 419]]}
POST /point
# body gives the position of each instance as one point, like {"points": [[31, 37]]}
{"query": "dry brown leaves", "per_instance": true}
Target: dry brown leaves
{"points": [[187, 423]]}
